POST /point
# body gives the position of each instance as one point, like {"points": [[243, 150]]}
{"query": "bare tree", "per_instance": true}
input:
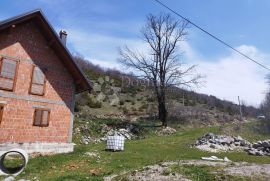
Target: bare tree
{"points": [[161, 64]]}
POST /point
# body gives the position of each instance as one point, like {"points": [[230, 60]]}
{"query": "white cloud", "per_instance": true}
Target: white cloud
{"points": [[232, 76]]}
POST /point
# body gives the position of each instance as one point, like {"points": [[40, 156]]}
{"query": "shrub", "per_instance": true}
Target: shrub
{"points": [[143, 107], [121, 102], [133, 109], [93, 104], [125, 110]]}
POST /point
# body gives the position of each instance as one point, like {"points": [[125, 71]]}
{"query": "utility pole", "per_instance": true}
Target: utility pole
{"points": [[240, 109]]}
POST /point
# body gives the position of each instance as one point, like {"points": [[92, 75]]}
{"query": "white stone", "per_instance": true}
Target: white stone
{"points": [[10, 178]]}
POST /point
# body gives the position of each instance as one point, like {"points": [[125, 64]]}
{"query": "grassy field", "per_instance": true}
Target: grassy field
{"points": [[138, 153]]}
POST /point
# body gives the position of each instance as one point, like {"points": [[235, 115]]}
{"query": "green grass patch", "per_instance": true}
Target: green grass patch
{"points": [[138, 153]]}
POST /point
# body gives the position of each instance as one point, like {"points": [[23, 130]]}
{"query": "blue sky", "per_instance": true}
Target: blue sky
{"points": [[97, 28]]}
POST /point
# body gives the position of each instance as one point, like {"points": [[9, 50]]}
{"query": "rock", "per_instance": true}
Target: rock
{"points": [[255, 145], [259, 153], [85, 140], [101, 97], [92, 154], [215, 143], [252, 152], [226, 140], [126, 133], [266, 144], [226, 159], [209, 135], [114, 100], [96, 87], [10, 178], [107, 78], [244, 143], [260, 148], [212, 158], [100, 80], [116, 90], [238, 139]]}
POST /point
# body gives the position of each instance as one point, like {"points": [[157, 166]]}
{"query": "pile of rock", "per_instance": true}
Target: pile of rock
{"points": [[166, 131], [126, 133], [107, 131], [88, 139], [215, 143], [260, 148]]}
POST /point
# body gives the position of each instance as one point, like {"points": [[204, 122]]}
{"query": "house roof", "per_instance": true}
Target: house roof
{"points": [[82, 83]]}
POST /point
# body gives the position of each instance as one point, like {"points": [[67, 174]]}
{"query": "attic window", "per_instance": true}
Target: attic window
{"points": [[8, 69], [41, 117], [38, 82]]}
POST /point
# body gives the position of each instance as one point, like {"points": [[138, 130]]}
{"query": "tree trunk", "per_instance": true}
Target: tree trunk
{"points": [[162, 112]]}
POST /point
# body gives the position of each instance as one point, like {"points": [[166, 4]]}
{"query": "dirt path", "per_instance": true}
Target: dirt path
{"points": [[162, 172]]}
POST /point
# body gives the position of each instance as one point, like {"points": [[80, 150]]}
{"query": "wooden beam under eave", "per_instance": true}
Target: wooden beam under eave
{"points": [[10, 29]]}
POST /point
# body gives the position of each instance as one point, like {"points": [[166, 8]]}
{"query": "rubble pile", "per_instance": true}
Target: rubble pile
{"points": [[215, 143], [126, 133], [260, 148], [106, 131]]}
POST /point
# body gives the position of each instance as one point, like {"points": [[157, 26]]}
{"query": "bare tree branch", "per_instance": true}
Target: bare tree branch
{"points": [[162, 65]]}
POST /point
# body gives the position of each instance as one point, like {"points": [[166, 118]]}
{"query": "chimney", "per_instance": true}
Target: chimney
{"points": [[63, 36]]}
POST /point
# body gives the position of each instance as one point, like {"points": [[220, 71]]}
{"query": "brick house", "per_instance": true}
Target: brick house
{"points": [[38, 83]]}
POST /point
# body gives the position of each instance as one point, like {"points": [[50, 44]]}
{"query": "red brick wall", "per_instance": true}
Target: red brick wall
{"points": [[28, 46]]}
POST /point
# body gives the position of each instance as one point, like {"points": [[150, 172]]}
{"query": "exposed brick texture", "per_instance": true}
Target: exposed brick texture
{"points": [[26, 43]]}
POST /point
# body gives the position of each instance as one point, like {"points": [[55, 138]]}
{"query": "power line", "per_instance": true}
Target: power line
{"points": [[213, 36]]}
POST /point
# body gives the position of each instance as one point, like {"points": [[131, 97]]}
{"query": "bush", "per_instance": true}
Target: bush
{"points": [[121, 102], [125, 110], [133, 109], [93, 104], [143, 107]]}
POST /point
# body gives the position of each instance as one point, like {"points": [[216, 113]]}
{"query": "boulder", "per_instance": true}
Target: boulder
{"points": [[252, 152], [266, 144]]}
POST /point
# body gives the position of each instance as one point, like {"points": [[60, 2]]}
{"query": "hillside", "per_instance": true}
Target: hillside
{"points": [[118, 95]]}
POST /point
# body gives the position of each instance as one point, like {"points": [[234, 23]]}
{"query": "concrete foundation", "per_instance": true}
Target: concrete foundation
{"points": [[43, 148]]}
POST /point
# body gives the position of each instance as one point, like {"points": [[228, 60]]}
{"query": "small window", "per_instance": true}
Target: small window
{"points": [[38, 82], [7, 74], [1, 112], [41, 117]]}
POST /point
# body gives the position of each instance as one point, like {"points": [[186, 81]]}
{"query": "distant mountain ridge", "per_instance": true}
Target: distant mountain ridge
{"points": [[136, 97]]}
